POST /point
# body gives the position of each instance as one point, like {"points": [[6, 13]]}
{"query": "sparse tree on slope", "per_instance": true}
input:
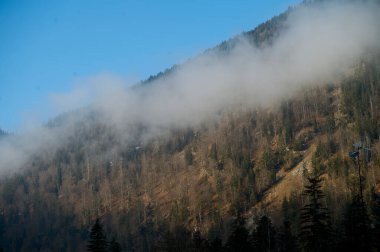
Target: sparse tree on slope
{"points": [[114, 246], [287, 241], [239, 238], [264, 237], [357, 227], [315, 225], [97, 242]]}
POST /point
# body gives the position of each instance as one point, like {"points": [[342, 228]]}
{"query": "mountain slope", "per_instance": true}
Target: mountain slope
{"points": [[156, 193]]}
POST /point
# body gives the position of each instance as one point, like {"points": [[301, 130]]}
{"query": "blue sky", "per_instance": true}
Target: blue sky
{"points": [[47, 45]]}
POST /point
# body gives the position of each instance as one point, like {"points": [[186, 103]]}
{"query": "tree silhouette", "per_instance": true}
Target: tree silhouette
{"points": [[197, 239], [357, 227], [376, 216], [238, 240], [315, 225], [177, 240], [264, 236], [114, 246], [287, 241], [216, 245], [189, 156], [97, 241]]}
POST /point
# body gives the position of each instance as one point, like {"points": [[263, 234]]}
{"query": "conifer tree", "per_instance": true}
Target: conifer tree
{"points": [[114, 246], [197, 240], [216, 245], [357, 227], [97, 241], [238, 240], [287, 241], [315, 225], [189, 156], [264, 236], [376, 215]]}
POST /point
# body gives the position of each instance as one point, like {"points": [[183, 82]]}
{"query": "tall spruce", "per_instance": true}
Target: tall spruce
{"points": [[376, 217], [357, 227], [198, 241], [97, 241], [287, 241], [239, 238], [114, 246], [264, 236], [216, 245], [315, 228]]}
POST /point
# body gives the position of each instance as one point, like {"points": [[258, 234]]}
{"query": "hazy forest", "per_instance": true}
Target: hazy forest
{"points": [[297, 172]]}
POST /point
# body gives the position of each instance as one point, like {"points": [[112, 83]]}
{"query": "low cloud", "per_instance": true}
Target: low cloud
{"points": [[319, 43]]}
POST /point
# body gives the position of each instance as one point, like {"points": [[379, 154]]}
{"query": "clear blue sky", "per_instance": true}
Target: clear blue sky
{"points": [[46, 45]]}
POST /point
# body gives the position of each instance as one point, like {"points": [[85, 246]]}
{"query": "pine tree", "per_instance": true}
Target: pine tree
{"points": [[177, 240], [357, 227], [285, 209], [376, 215], [287, 241], [114, 246], [238, 240], [315, 225], [264, 236], [97, 241], [188, 156], [216, 245], [197, 240]]}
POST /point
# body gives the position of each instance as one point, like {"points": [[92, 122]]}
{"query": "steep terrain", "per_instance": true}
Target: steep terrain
{"points": [[157, 193]]}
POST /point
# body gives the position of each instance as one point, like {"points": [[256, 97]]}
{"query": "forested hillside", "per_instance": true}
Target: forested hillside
{"points": [[281, 176]]}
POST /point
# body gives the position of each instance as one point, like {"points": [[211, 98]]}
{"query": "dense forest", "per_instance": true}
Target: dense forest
{"points": [[301, 174]]}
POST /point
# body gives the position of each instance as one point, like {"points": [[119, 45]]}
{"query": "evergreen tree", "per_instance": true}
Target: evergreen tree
{"points": [[357, 227], [177, 240], [97, 241], [189, 156], [216, 245], [114, 246], [197, 240], [264, 236], [285, 209], [287, 241], [315, 225], [238, 240], [213, 153], [376, 215]]}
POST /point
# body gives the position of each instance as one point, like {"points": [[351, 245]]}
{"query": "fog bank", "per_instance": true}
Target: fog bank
{"points": [[318, 44]]}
